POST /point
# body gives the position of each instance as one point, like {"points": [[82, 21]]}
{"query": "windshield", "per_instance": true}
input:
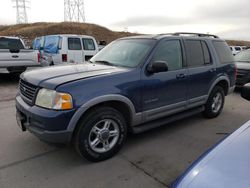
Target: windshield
{"points": [[243, 56], [124, 53]]}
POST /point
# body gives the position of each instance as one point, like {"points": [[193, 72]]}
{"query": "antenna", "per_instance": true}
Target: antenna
{"points": [[74, 10], [21, 13]]}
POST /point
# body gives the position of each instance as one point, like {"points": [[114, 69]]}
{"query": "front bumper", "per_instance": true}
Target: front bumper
{"points": [[47, 125], [242, 79]]}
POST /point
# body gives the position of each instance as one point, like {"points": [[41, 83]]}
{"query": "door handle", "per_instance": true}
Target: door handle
{"points": [[15, 56], [181, 76]]}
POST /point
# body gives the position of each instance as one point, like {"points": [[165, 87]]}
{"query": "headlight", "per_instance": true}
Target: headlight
{"points": [[54, 100]]}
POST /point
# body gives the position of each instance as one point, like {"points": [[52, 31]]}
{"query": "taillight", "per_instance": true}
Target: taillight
{"points": [[38, 57], [64, 57], [235, 72]]}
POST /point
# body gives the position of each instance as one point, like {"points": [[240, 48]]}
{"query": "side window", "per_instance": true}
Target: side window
{"points": [[74, 44], [194, 53], [88, 44], [207, 56], [223, 51], [170, 52]]}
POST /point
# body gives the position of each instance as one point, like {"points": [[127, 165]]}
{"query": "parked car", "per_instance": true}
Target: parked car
{"points": [[225, 165], [135, 83], [236, 49], [243, 67], [58, 49], [14, 57]]}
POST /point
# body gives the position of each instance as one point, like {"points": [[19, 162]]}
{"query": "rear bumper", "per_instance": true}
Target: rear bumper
{"points": [[13, 69], [47, 125]]}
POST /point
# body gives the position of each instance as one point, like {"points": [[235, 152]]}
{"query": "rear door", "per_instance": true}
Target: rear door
{"points": [[75, 52], [89, 47], [201, 70]]}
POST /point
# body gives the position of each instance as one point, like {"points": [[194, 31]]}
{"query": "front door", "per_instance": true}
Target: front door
{"points": [[165, 93], [202, 71]]}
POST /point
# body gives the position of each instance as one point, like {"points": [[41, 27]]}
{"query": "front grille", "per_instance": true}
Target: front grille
{"points": [[27, 90]]}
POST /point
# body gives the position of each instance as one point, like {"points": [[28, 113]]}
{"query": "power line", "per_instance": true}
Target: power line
{"points": [[74, 10], [21, 11]]}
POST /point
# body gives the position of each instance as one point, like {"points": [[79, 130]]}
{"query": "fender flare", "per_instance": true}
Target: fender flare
{"points": [[113, 97], [221, 78]]}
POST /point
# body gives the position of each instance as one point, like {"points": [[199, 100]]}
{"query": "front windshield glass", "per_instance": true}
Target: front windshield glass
{"points": [[243, 56], [124, 53]]}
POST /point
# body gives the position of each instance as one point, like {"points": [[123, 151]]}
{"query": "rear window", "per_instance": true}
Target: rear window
{"points": [[223, 52], [74, 44], [7, 43], [51, 44], [88, 44]]}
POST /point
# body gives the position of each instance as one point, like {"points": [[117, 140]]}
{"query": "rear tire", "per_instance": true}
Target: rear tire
{"points": [[100, 134], [215, 103]]}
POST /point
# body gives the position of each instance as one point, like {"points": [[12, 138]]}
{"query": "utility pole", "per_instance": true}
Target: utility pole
{"points": [[74, 11], [21, 11]]}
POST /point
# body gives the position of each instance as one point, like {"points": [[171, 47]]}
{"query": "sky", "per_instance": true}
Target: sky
{"points": [[230, 19]]}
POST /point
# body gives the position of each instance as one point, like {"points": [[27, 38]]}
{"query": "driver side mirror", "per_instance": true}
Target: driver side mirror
{"points": [[157, 66], [245, 91]]}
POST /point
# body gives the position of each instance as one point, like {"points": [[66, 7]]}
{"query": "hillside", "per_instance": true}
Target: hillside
{"points": [[30, 31]]}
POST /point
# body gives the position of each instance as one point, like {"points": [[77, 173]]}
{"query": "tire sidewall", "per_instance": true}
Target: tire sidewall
{"points": [[208, 107], [82, 138]]}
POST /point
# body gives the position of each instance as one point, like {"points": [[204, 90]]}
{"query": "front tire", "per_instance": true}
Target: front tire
{"points": [[100, 134], [215, 103]]}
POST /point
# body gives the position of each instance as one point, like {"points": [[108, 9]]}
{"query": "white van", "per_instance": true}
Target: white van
{"points": [[57, 49]]}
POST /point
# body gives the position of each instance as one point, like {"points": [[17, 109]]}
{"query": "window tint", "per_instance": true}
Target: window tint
{"points": [[7, 43], [74, 44], [194, 53], [237, 48], [169, 51], [223, 51], [88, 44], [207, 57]]}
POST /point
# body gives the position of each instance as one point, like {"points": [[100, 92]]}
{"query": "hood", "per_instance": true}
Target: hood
{"points": [[226, 165], [51, 77], [243, 65]]}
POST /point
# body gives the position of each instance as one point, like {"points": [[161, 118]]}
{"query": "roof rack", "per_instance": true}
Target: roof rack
{"points": [[195, 34]]}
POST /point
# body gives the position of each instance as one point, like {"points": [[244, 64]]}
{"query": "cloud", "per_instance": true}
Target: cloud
{"points": [[151, 21], [229, 15]]}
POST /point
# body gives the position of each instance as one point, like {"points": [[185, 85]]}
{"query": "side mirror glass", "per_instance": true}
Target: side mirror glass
{"points": [[157, 66], [245, 91]]}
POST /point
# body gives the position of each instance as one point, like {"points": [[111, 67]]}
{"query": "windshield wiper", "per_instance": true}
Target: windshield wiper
{"points": [[104, 62]]}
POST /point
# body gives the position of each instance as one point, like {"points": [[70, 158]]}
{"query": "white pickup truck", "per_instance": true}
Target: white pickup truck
{"points": [[14, 57], [66, 48]]}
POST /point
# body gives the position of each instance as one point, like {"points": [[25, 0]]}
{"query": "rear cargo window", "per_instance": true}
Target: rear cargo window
{"points": [[7, 43], [74, 44], [88, 44], [223, 51]]}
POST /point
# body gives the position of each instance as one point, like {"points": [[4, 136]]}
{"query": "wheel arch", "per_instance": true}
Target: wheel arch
{"points": [[119, 102], [222, 81]]}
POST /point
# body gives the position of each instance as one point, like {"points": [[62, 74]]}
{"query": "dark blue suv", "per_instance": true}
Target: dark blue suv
{"points": [[134, 84]]}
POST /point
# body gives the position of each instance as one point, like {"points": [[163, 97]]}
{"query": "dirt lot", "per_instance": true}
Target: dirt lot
{"points": [[152, 159]]}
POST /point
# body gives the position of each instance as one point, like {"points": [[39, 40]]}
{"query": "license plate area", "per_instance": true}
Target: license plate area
{"points": [[20, 118]]}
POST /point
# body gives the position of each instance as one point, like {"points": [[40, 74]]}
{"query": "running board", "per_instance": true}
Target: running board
{"points": [[166, 120]]}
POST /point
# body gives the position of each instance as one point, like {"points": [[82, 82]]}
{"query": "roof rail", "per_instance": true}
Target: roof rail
{"points": [[195, 34]]}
